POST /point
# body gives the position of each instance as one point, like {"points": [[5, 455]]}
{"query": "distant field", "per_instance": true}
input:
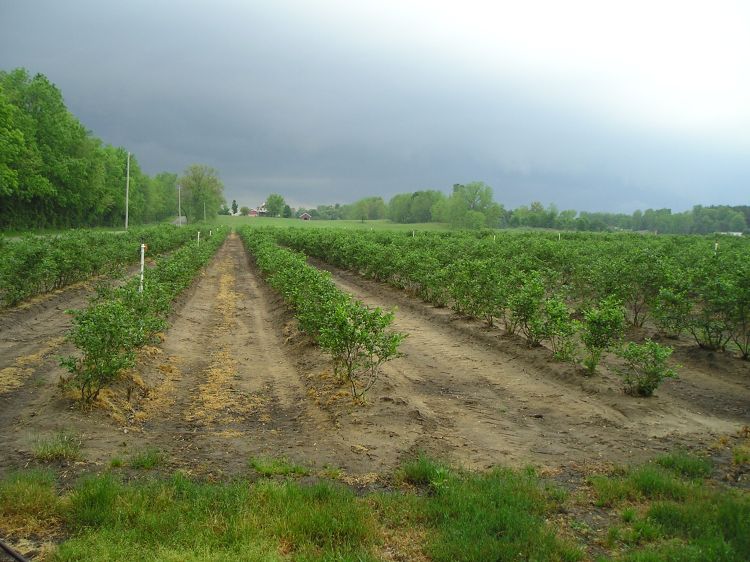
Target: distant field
{"points": [[361, 225], [12, 234]]}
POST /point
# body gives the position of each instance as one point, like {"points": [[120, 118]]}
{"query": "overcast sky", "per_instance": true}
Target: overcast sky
{"points": [[592, 105]]}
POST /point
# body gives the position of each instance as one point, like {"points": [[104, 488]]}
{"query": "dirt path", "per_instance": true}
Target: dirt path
{"points": [[229, 388], [32, 338]]}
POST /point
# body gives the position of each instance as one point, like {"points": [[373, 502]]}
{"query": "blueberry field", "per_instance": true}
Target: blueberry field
{"points": [[276, 393]]}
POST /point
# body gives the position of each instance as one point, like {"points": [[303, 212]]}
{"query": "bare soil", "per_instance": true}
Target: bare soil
{"points": [[234, 379]]}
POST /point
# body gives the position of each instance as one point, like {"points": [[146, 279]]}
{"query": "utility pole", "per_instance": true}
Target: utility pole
{"points": [[204, 211], [179, 205], [127, 192]]}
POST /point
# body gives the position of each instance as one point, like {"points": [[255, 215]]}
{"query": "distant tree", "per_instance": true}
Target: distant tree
{"points": [[470, 200], [329, 212], [369, 208], [422, 203], [287, 212], [201, 186], [413, 207], [225, 210], [244, 211], [399, 208], [234, 206], [566, 219], [275, 205]]}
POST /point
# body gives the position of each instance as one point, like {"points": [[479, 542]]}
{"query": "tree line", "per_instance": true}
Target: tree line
{"points": [[472, 206], [54, 173]]}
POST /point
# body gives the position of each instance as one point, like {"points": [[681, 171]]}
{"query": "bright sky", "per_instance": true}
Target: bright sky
{"points": [[680, 65]]}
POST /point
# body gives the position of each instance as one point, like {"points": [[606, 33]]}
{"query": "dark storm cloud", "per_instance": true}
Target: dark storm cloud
{"points": [[279, 103]]}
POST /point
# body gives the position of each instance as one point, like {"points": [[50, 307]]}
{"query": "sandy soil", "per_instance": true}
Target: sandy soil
{"points": [[232, 379]]}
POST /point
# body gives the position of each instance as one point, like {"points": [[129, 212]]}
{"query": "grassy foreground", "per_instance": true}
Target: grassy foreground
{"points": [[664, 510]]}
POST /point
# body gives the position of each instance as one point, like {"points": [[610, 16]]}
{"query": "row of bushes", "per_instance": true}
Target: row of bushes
{"points": [[38, 264], [119, 320], [684, 284], [357, 338], [524, 300]]}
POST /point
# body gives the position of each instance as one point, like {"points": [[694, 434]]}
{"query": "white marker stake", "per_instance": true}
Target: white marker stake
{"points": [[143, 255], [199, 238], [716, 247]]}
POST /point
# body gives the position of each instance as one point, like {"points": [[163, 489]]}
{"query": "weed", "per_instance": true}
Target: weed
{"points": [[277, 466], [63, 446], [628, 515], [686, 464], [331, 472], [614, 535], [741, 455], [147, 459], [423, 471], [655, 483], [611, 491]]}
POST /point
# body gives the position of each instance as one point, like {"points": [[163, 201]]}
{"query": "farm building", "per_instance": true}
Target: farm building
{"points": [[305, 216]]}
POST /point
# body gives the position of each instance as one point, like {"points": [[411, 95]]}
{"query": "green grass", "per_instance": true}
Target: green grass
{"points": [[741, 455], [682, 517], [277, 466], [147, 459], [349, 224], [30, 493], [495, 516], [62, 446], [451, 516], [686, 464], [54, 231], [650, 481], [179, 519], [423, 471]]}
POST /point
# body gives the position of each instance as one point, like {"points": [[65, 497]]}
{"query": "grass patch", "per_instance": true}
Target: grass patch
{"points": [[277, 466], [644, 482], [63, 446], [494, 516], [682, 518], [612, 491], [423, 471], [741, 455], [147, 459], [330, 472], [29, 503], [711, 525], [452, 516], [653, 482], [179, 519], [116, 462], [686, 464], [469, 516]]}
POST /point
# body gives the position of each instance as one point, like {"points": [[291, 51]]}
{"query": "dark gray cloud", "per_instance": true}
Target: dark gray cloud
{"points": [[279, 98]]}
